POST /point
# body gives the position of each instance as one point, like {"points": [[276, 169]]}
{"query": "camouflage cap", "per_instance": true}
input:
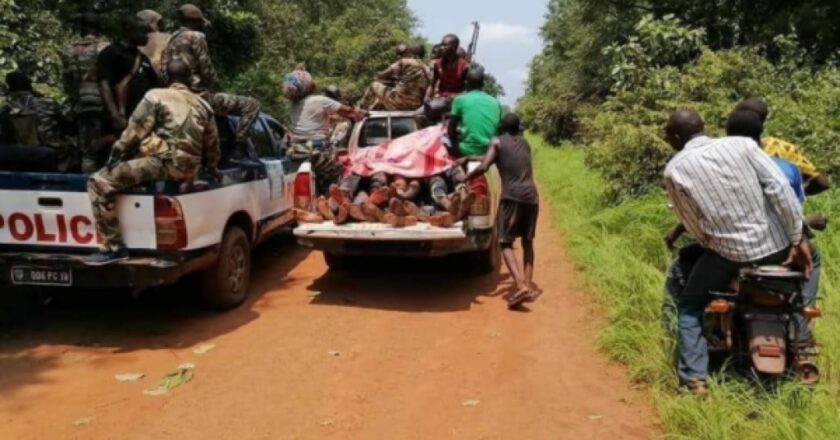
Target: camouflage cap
{"points": [[190, 11], [150, 17]]}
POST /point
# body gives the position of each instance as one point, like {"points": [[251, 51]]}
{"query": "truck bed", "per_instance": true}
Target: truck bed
{"points": [[380, 232]]}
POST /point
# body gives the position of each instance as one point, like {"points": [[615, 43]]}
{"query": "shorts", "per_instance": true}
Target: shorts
{"points": [[517, 220]]}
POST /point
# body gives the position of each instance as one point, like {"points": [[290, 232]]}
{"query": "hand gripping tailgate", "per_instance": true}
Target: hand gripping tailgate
{"points": [[379, 232]]}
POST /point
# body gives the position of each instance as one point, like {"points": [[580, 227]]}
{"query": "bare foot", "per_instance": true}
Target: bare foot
{"points": [[337, 196], [442, 220], [396, 206], [454, 204], [399, 221], [356, 213], [372, 211], [323, 207], [413, 209], [343, 214], [307, 217], [466, 204], [379, 197]]}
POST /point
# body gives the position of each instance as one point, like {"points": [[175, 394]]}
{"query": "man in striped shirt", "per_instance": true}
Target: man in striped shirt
{"points": [[740, 208]]}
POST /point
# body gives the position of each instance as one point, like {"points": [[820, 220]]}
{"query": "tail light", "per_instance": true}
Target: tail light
{"points": [[303, 191], [720, 307], [481, 207], [170, 227], [811, 313]]}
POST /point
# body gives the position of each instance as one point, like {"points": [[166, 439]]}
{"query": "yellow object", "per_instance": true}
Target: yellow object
{"points": [[791, 153]]}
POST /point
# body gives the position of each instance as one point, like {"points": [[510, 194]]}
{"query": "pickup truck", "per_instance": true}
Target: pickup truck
{"points": [[475, 237], [171, 230]]}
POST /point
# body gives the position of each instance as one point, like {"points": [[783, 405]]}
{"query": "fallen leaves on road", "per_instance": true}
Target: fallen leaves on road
{"points": [[204, 348], [470, 403], [84, 421], [129, 377], [173, 380]]}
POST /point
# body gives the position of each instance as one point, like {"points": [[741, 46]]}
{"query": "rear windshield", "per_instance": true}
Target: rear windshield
{"points": [[375, 131]]}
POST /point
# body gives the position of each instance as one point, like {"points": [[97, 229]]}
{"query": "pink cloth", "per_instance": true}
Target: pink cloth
{"points": [[417, 155]]}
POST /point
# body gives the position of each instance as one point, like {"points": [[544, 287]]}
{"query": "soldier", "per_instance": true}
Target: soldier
{"points": [[402, 86], [81, 87], [189, 44], [158, 39], [174, 130], [31, 122]]}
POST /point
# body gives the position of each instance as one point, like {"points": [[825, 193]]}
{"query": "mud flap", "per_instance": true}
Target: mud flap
{"points": [[768, 345]]}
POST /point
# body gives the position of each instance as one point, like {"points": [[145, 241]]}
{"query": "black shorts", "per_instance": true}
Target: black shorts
{"points": [[517, 220]]}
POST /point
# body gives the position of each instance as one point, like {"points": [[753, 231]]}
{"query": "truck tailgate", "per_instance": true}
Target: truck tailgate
{"points": [[379, 232]]}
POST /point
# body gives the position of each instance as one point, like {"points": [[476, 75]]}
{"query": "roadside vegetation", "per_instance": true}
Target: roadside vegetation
{"points": [[619, 249]]}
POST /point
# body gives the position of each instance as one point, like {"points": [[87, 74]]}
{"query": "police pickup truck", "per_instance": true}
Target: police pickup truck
{"points": [[475, 237], [47, 226]]}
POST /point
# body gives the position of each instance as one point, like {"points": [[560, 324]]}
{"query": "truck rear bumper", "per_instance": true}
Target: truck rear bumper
{"points": [[69, 270], [378, 239]]}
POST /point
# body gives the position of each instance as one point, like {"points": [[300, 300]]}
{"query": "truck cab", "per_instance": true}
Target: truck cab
{"points": [[171, 230], [475, 237]]}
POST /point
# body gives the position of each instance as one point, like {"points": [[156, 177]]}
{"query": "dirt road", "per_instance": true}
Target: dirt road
{"points": [[406, 350]]}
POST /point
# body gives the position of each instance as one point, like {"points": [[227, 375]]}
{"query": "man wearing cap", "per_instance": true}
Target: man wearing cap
{"points": [[157, 38], [189, 44]]}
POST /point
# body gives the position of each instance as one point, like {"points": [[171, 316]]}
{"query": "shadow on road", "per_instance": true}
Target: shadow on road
{"points": [[431, 285], [165, 318]]}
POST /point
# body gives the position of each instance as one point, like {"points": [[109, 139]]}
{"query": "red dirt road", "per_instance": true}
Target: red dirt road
{"points": [[408, 350]]}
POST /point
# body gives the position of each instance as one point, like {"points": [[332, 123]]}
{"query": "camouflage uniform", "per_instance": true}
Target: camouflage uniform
{"points": [[175, 131], [27, 119], [191, 47], [409, 80], [82, 89]]}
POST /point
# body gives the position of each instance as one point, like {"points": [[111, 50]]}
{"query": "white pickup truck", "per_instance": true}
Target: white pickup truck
{"points": [[47, 227], [475, 237]]}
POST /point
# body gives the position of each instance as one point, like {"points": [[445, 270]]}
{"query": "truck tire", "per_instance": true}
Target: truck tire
{"points": [[336, 262], [15, 305], [226, 284], [489, 260]]}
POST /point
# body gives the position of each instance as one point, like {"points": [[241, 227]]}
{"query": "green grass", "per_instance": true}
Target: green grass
{"points": [[620, 251]]}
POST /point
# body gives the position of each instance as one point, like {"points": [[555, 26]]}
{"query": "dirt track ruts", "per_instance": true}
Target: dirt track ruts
{"points": [[393, 352]]}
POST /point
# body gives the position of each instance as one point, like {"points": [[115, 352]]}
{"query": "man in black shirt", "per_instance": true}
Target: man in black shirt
{"points": [[125, 73], [519, 206]]}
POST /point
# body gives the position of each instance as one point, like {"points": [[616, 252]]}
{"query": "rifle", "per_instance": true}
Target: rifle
{"points": [[474, 42]]}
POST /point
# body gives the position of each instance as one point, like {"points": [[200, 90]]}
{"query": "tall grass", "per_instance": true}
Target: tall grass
{"points": [[621, 253]]}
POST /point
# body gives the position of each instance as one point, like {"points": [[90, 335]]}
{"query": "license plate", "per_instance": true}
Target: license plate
{"points": [[31, 276]]}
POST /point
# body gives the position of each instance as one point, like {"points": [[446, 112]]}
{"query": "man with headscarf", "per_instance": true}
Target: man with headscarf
{"points": [[189, 44], [158, 39], [309, 125]]}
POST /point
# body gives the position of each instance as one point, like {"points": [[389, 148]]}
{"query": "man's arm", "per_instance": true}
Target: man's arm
{"points": [[205, 64], [391, 73], [777, 191], [139, 127], [213, 151], [103, 72], [430, 92], [685, 209], [487, 160]]}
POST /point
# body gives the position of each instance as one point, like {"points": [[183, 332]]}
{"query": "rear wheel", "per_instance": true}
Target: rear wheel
{"points": [[226, 284], [336, 262], [489, 260]]}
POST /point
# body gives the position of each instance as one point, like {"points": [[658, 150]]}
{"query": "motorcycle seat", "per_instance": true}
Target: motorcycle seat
{"points": [[772, 272]]}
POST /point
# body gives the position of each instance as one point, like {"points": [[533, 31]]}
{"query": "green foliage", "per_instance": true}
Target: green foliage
{"points": [[620, 251]]}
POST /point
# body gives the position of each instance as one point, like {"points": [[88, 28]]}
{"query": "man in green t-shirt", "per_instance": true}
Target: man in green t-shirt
{"points": [[475, 118]]}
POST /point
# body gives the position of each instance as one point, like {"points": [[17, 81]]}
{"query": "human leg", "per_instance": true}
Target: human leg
{"points": [[247, 109]]}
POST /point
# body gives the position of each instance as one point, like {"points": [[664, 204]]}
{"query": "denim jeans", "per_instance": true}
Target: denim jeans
{"points": [[713, 273]]}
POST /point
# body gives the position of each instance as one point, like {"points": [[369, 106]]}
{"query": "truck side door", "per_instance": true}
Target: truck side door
{"points": [[274, 201]]}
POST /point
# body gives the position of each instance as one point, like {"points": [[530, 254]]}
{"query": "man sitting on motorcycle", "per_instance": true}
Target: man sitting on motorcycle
{"points": [[736, 202]]}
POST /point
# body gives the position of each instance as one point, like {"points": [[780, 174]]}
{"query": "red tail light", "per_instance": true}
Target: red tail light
{"points": [[479, 187], [303, 191], [170, 227]]}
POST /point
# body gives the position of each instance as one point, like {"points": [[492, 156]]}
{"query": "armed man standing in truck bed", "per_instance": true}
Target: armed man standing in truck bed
{"points": [[173, 129], [189, 44]]}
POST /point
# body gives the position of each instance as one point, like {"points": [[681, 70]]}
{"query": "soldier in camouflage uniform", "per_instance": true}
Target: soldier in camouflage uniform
{"points": [[400, 87], [31, 120], [189, 44], [81, 87], [174, 131]]}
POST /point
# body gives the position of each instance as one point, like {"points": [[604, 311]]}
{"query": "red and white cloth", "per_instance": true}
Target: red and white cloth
{"points": [[418, 155]]}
